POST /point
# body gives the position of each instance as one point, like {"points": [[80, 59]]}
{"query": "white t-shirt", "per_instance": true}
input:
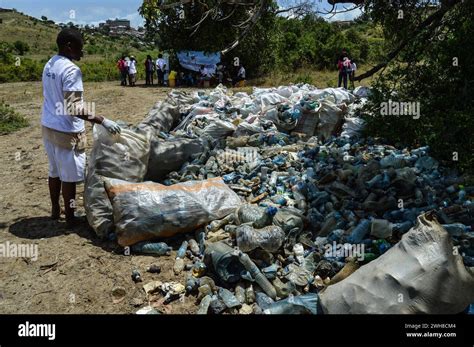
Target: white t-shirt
{"points": [[160, 63], [60, 75], [132, 67]]}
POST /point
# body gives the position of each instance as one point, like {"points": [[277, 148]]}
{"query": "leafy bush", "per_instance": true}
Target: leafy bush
{"points": [[21, 47], [10, 120]]}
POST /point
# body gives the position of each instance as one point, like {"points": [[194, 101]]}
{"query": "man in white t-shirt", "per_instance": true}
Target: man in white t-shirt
{"points": [[240, 75], [62, 121], [160, 69], [132, 71]]}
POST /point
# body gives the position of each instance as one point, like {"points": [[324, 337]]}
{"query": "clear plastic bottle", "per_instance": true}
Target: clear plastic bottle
{"points": [[257, 275], [157, 248]]}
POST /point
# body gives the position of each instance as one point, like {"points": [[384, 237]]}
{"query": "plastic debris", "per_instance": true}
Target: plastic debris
{"points": [[288, 203]]}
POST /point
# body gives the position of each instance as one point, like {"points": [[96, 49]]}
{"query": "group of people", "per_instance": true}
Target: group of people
{"points": [[128, 70], [347, 68], [127, 67], [221, 75]]}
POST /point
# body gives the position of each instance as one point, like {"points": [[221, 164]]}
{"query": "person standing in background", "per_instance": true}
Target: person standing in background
{"points": [[132, 71], [149, 70], [240, 75], [352, 72], [342, 68], [122, 66], [160, 69]]}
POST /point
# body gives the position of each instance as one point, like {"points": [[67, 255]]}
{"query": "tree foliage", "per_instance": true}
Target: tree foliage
{"points": [[435, 70]]}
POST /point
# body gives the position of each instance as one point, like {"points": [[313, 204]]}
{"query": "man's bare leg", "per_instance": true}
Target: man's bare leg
{"points": [[54, 184], [69, 196]]}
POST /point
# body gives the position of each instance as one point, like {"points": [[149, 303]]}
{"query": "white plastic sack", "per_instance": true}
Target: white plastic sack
{"points": [[352, 126], [118, 156], [269, 100], [330, 119], [219, 128], [420, 274], [143, 211], [362, 92]]}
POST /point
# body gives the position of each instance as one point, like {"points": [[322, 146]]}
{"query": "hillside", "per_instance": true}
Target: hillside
{"points": [[39, 37]]}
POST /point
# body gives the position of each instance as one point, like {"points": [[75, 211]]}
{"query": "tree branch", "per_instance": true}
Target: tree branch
{"points": [[432, 21]]}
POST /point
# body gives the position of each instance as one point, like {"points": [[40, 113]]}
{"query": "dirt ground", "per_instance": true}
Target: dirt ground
{"points": [[75, 272]]}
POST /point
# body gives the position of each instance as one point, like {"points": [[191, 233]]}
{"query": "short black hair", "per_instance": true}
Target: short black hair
{"points": [[69, 35], [160, 55]]}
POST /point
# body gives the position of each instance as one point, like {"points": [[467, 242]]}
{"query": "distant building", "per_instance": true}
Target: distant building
{"points": [[116, 24], [343, 22]]}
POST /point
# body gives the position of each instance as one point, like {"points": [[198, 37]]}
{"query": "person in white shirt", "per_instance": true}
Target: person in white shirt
{"points": [[240, 75], [160, 69], [352, 72], [62, 120], [132, 71], [205, 75]]}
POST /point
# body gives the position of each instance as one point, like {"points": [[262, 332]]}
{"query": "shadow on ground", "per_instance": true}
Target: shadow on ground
{"points": [[45, 227]]}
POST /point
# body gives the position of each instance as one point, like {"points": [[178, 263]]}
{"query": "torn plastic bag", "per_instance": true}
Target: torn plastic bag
{"points": [[170, 155], [301, 304], [270, 100], [420, 274], [352, 127], [362, 92], [219, 128], [288, 219], [147, 210], [269, 238], [330, 119], [123, 156], [162, 117]]}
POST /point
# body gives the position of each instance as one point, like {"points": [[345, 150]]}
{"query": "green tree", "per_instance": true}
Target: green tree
{"points": [[21, 47], [433, 67], [175, 29]]}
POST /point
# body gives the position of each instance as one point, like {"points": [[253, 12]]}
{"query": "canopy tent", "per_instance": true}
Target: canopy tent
{"points": [[192, 60]]}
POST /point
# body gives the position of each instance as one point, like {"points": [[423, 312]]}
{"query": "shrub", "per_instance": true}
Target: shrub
{"points": [[10, 120]]}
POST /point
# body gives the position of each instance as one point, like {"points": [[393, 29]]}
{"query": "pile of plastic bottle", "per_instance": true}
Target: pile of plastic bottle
{"points": [[312, 213]]}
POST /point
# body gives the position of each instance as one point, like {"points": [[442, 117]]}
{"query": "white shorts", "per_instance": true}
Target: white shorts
{"points": [[66, 164]]}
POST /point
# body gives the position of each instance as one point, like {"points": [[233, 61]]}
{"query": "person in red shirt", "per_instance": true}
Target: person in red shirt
{"points": [[343, 66], [122, 66]]}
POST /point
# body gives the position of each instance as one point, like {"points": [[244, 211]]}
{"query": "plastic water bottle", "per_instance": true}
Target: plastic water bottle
{"points": [[157, 248], [266, 218], [360, 231], [401, 227], [182, 250], [257, 275], [456, 229]]}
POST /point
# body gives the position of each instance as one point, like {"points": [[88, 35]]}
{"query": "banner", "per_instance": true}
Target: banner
{"points": [[192, 60]]}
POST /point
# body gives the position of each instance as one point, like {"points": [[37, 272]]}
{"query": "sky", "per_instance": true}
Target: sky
{"points": [[96, 11]]}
